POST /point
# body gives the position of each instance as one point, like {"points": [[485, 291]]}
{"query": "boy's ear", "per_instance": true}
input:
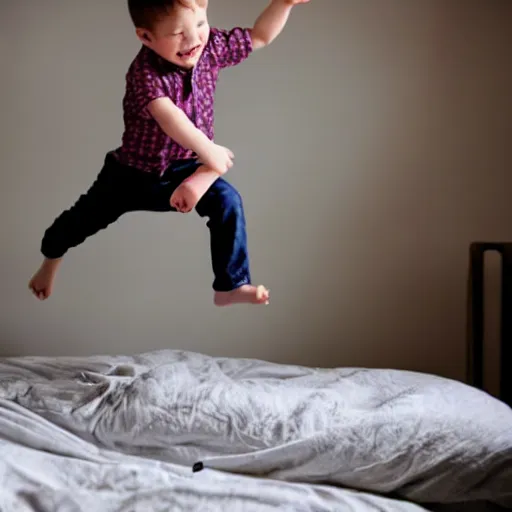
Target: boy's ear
{"points": [[143, 35]]}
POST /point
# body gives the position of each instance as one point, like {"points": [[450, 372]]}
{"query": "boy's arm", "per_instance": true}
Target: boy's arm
{"points": [[271, 22], [175, 123]]}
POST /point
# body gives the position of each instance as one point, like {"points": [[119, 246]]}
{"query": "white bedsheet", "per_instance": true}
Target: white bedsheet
{"points": [[47, 469], [105, 433]]}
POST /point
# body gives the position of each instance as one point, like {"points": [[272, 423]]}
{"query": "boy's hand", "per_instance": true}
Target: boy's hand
{"points": [[218, 158], [295, 2]]}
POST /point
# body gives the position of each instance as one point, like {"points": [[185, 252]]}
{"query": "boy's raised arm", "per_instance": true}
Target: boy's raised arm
{"points": [[271, 21]]}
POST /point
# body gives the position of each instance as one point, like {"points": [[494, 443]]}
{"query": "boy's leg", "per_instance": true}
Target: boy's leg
{"points": [[223, 206], [104, 202]]}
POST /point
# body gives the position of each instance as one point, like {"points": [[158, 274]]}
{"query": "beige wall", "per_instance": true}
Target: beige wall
{"points": [[372, 143]]}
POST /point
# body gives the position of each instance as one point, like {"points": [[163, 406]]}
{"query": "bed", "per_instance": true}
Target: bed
{"points": [[182, 431]]}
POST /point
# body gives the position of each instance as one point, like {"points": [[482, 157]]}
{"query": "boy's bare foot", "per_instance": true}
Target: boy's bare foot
{"points": [[246, 294], [184, 198], [41, 284], [191, 190]]}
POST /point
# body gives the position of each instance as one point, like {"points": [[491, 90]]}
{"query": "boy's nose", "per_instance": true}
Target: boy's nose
{"points": [[192, 39]]}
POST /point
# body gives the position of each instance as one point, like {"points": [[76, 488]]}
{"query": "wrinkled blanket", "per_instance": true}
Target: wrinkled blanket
{"points": [[51, 470], [257, 434]]}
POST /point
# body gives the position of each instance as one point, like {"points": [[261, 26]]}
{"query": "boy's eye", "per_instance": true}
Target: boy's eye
{"points": [[200, 24]]}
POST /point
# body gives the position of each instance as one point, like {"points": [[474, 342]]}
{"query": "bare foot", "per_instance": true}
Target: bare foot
{"points": [[246, 294], [41, 284], [187, 194], [184, 199]]}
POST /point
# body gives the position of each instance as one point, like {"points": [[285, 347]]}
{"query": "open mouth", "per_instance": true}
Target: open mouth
{"points": [[189, 53]]}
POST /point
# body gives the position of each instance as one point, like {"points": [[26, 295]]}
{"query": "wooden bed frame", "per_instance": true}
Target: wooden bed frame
{"points": [[475, 317]]}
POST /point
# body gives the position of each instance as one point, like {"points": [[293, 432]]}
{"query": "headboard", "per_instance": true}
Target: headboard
{"points": [[475, 317]]}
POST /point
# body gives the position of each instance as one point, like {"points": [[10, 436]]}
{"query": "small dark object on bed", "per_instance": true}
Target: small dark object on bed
{"points": [[198, 466]]}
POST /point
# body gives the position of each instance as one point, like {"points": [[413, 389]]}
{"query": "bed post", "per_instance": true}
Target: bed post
{"points": [[475, 317], [506, 326]]}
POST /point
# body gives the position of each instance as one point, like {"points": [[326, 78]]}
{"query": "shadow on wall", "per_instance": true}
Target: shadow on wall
{"points": [[422, 155]]}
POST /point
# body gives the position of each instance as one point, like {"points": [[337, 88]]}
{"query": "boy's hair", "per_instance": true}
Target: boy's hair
{"points": [[145, 13]]}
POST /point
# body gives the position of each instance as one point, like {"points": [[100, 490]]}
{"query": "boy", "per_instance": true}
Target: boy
{"points": [[168, 138]]}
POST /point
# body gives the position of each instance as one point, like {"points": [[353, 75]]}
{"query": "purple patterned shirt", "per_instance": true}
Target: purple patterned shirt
{"points": [[144, 144]]}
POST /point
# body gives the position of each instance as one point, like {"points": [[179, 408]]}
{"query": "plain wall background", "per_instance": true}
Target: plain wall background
{"points": [[372, 144]]}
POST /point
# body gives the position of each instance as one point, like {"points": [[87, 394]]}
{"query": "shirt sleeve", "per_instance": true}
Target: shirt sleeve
{"points": [[230, 47], [144, 84]]}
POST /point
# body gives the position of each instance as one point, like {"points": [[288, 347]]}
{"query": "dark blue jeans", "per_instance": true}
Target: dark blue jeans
{"points": [[119, 189]]}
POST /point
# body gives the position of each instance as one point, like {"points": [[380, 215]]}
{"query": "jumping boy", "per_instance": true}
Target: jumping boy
{"points": [[168, 139]]}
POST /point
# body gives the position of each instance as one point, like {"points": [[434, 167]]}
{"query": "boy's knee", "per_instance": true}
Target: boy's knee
{"points": [[223, 197]]}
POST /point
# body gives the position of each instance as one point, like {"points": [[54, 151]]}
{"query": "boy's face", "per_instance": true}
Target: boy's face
{"points": [[179, 37]]}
